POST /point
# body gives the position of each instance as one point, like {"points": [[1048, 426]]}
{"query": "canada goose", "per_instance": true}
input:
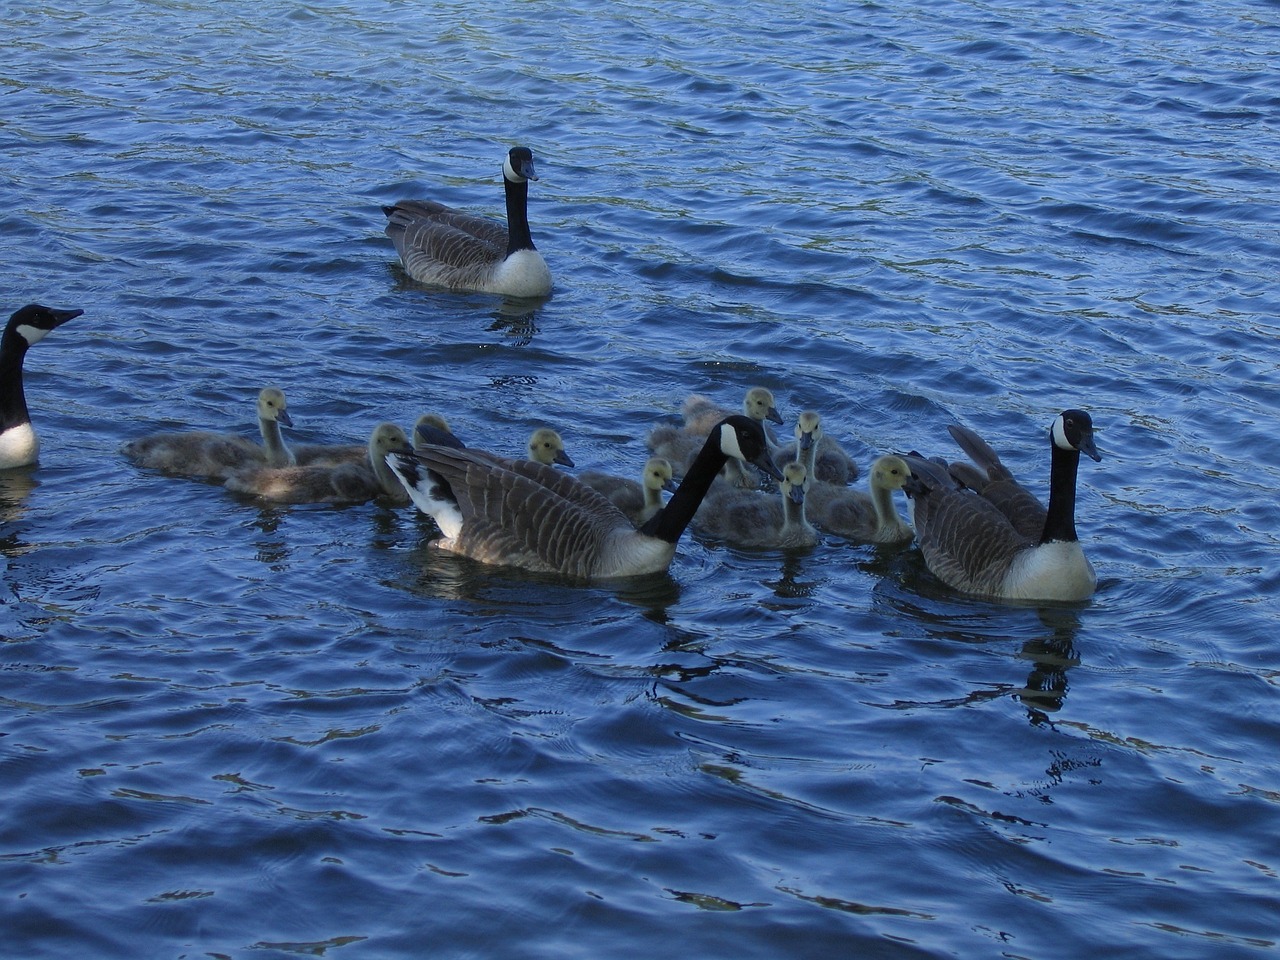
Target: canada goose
{"points": [[638, 500], [754, 518], [19, 445], [203, 453], [446, 247], [859, 516], [526, 514], [330, 482], [824, 458], [974, 547], [681, 444]]}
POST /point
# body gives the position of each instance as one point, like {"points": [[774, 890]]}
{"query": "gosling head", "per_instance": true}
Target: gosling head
{"points": [[658, 474], [386, 437], [808, 429], [546, 446], [794, 476], [272, 406], [758, 405], [889, 473]]}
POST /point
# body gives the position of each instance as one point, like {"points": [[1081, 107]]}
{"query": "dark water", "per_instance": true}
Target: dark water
{"points": [[231, 730]]}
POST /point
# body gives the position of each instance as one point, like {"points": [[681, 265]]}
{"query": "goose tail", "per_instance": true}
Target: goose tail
{"points": [[428, 491]]}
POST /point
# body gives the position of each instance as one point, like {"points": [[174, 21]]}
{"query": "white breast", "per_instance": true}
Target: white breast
{"points": [[19, 446], [1051, 571], [523, 274]]}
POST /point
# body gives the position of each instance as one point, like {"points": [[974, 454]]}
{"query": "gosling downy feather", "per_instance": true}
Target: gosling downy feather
{"points": [[972, 546], [864, 517], [202, 453], [333, 482], [445, 247], [754, 518], [680, 444], [19, 445], [823, 458], [529, 515], [639, 500]]}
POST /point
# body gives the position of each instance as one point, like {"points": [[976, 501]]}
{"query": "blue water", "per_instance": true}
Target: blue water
{"points": [[235, 730]]}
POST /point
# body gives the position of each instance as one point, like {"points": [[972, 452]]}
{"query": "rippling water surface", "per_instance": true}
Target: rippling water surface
{"points": [[233, 730]]}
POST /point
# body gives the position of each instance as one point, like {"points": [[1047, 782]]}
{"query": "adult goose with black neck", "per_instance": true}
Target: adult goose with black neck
{"points": [[449, 248], [1008, 547], [19, 445], [525, 514]]}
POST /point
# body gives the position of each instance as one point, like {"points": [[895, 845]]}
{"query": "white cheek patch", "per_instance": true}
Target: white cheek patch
{"points": [[32, 335], [729, 445], [1060, 435]]}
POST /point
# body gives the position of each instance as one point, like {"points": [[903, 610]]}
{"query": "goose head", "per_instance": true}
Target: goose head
{"points": [[808, 430], [546, 446], [758, 405], [272, 407], [658, 475], [34, 322], [743, 438], [889, 473], [1073, 430], [518, 167]]}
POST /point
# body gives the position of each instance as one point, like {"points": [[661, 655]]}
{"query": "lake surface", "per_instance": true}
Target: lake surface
{"points": [[236, 730]]}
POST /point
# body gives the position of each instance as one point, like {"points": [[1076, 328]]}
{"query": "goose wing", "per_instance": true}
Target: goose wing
{"points": [[428, 235], [524, 513], [966, 541], [995, 483]]}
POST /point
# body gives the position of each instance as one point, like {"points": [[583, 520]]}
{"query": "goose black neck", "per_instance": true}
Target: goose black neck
{"points": [[13, 401], [1060, 520], [670, 522], [518, 236]]}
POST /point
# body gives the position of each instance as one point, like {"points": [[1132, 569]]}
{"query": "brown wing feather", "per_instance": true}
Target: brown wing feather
{"points": [[994, 482], [525, 513]]}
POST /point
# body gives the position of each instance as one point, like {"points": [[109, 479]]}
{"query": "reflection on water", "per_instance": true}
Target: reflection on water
{"points": [[1052, 656]]}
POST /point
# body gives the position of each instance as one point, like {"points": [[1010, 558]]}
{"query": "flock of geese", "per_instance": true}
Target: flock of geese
{"points": [[977, 528]]}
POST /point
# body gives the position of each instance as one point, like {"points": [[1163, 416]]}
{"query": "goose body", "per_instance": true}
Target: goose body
{"points": [[19, 445], [336, 481], [529, 515], [754, 518], [639, 500], [445, 247], [203, 453], [679, 445], [864, 517], [824, 459], [973, 545]]}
